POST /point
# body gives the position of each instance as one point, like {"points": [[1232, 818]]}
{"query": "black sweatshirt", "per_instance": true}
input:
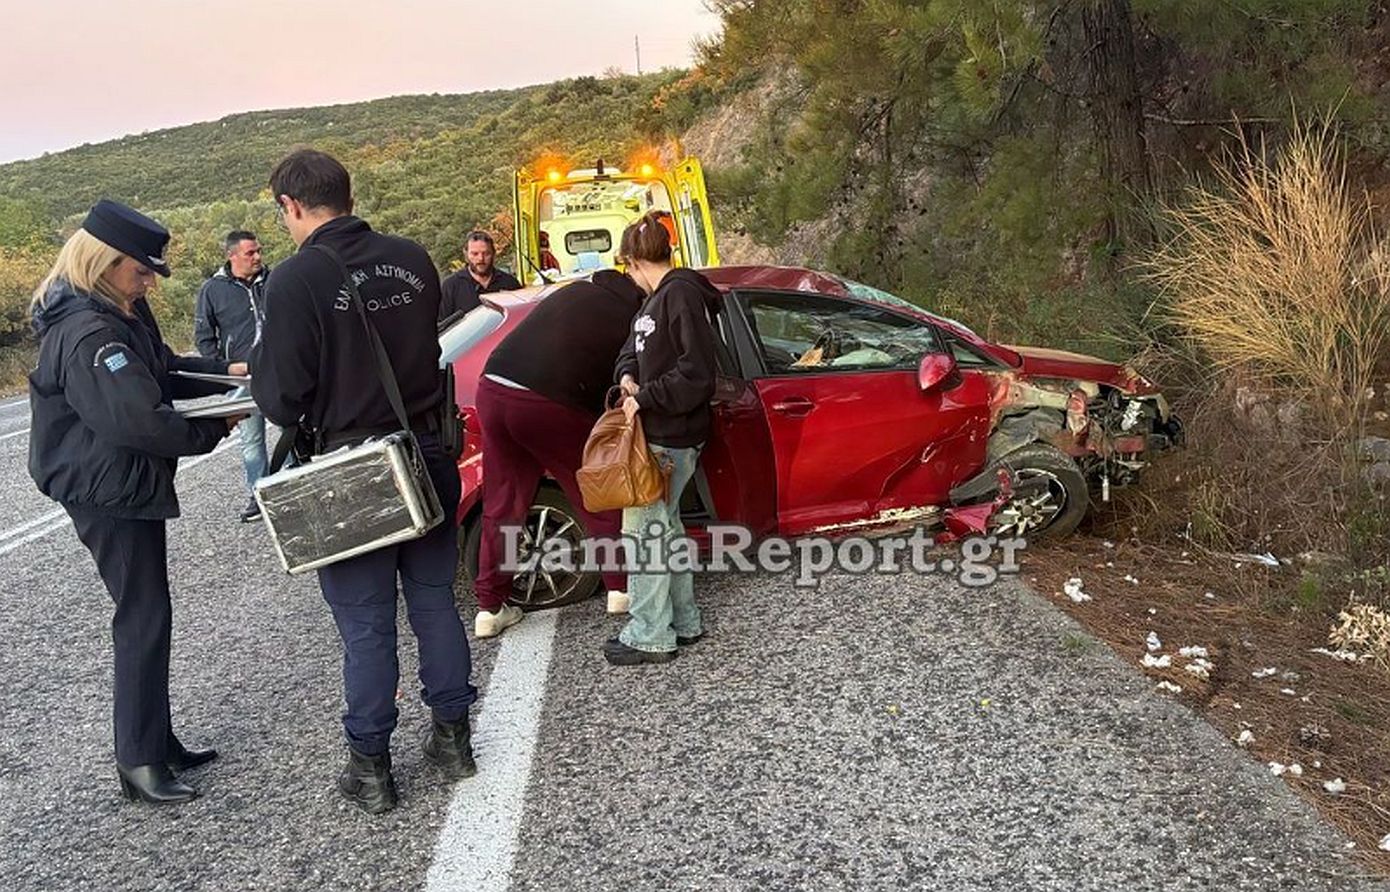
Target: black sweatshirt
{"points": [[461, 291], [315, 363], [565, 349], [104, 437], [671, 354]]}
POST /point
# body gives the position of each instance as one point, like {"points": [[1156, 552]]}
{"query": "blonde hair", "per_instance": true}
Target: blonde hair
{"points": [[82, 262]]}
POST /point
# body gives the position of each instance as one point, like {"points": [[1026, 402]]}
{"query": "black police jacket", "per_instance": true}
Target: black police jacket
{"points": [[315, 365], [104, 437]]}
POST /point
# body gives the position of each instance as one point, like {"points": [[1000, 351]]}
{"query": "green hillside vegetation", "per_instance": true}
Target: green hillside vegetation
{"points": [[426, 167]]}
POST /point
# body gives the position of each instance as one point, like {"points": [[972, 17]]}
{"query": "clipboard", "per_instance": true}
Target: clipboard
{"points": [[214, 378], [221, 409]]}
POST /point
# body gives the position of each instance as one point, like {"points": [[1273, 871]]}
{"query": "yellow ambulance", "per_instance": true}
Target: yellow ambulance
{"points": [[569, 222]]}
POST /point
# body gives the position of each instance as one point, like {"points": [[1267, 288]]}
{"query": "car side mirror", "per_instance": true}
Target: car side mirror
{"points": [[937, 371]]}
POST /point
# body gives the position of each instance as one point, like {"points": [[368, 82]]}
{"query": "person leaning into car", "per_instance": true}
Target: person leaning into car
{"points": [[542, 389], [667, 373], [105, 443], [311, 371]]}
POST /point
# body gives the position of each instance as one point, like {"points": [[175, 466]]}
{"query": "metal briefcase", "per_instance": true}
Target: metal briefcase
{"points": [[348, 502]]}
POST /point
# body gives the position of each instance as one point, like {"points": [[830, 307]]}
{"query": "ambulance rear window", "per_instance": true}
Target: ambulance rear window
{"points": [[581, 240]]}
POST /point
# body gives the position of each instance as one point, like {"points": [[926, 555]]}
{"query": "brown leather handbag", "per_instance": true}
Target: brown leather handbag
{"points": [[619, 471]]}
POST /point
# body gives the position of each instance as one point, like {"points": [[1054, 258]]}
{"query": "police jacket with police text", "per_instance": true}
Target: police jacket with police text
{"points": [[228, 313], [315, 364], [104, 436]]}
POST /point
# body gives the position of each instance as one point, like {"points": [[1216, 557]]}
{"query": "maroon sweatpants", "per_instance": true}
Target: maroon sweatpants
{"points": [[526, 436]]}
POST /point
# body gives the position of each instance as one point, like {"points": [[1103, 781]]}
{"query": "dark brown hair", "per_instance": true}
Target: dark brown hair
{"points": [[646, 239], [314, 179]]}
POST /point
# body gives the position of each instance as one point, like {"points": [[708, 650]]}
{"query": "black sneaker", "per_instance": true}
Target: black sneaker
{"points": [[367, 783], [251, 512], [448, 746], [619, 654], [687, 640]]}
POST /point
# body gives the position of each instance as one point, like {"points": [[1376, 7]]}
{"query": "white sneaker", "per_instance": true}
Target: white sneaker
{"points": [[488, 625], [618, 602]]}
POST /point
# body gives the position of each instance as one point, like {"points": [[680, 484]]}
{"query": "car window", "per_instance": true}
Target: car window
{"points": [[801, 333], [461, 335], [869, 292], [967, 356]]}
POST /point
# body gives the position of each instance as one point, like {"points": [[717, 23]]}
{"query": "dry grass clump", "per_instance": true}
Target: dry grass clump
{"points": [[1364, 629], [1276, 271], [1278, 284]]}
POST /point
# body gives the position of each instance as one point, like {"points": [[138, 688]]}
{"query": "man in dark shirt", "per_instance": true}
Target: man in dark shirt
{"points": [[478, 276], [541, 392], [309, 371]]}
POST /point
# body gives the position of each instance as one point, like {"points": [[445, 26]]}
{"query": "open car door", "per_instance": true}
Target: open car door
{"points": [[692, 215], [524, 188]]}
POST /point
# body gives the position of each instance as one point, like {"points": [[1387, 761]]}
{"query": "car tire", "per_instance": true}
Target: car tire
{"points": [[1051, 496], [552, 504]]}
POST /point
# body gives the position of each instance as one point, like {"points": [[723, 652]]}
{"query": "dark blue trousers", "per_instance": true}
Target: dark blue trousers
{"points": [[362, 594], [132, 558]]}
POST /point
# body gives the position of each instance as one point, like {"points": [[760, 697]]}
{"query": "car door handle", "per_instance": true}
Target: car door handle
{"points": [[794, 406]]}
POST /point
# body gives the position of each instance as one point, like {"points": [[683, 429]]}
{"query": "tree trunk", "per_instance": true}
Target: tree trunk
{"points": [[1117, 113]]}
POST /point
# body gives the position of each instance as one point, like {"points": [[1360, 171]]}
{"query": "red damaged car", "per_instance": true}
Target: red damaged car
{"points": [[843, 409]]}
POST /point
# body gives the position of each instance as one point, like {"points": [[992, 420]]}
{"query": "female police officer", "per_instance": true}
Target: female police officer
{"points": [[104, 443]]}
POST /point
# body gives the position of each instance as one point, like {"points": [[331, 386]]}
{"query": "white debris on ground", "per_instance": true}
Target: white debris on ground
{"points": [[1265, 672], [1200, 668], [1336, 787], [1279, 769], [1246, 738], [1072, 589], [1169, 686], [1210, 596], [1346, 656], [1131, 580], [1385, 843], [1289, 691], [1152, 641], [1160, 662], [1193, 650]]}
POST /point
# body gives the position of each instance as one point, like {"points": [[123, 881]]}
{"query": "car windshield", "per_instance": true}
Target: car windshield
{"points": [[869, 292], [460, 337]]}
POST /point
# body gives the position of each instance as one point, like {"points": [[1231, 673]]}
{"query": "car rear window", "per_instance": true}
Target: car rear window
{"points": [[462, 335]]}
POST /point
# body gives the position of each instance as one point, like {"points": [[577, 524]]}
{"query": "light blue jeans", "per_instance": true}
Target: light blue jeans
{"points": [[253, 454], [662, 603]]}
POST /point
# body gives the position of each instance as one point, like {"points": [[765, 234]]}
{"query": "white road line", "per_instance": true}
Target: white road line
{"points": [[14, 434], [16, 401], [55, 520], [477, 845]]}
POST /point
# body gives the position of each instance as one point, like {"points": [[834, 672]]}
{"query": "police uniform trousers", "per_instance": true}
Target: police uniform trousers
{"points": [[132, 558], [361, 591]]}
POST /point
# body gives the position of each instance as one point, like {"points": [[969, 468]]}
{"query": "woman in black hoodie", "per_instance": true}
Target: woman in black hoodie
{"points": [[667, 371], [104, 444]]}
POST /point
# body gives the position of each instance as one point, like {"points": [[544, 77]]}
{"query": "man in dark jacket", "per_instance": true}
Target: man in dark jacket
{"points": [[542, 391], [313, 367], [478, 276], [227, 319]]}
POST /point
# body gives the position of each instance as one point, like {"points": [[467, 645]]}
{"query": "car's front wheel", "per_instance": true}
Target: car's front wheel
{"points": [[551, 517], [1050, 496]]}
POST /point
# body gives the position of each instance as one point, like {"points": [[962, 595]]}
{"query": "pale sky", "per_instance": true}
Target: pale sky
{"points": [[77, 71]]}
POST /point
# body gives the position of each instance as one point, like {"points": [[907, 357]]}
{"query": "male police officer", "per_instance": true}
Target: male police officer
{"points": [[227, 319], [479, 276], [309, 370]]}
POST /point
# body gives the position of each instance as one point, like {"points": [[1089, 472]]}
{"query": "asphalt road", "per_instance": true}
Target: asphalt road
{"points": [[879, 733]]}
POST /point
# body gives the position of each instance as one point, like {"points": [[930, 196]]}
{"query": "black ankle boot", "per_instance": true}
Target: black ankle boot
{"points": [[367, 783], [153, 783], [181, 758], [448, 746]]}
